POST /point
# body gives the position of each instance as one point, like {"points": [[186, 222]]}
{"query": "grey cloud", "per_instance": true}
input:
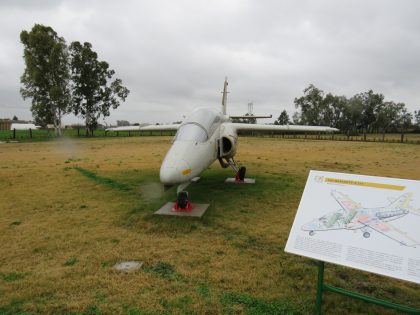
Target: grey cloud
{"points": [[173, 56]]}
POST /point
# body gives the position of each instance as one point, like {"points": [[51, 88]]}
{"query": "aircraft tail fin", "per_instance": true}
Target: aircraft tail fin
{"points": [[224, 97]]}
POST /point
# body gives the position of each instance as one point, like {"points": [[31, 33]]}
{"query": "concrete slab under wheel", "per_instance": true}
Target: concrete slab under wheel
{"points": [[245, 181], [198, 209]]}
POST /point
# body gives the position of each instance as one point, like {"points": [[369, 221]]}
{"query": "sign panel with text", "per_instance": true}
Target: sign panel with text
{"points": [[365, 222]]}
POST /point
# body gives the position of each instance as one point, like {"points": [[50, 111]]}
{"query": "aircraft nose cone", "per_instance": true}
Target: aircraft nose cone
{"points": [[168, 175], [174, 173]]}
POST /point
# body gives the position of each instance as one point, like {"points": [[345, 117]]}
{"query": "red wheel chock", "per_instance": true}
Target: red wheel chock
{"points": [[238, 178], [176, 208]]}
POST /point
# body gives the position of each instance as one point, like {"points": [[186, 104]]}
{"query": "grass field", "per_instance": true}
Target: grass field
{"points": [[71, 208]]}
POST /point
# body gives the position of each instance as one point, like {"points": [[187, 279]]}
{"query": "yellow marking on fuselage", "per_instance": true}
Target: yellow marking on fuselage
{"points": [[186, 171]]}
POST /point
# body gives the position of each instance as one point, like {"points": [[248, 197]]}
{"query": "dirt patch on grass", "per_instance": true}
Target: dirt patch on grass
{"points": [[63, 229]]}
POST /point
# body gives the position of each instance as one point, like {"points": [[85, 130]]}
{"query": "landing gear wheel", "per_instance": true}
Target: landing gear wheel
{"points": [[182, 200], [366, 234], [240, 176], [311, 233]]}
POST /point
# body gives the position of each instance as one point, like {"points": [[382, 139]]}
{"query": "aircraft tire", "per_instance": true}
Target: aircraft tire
{"points": [[366, 234], [241, 173], [182, 199]]}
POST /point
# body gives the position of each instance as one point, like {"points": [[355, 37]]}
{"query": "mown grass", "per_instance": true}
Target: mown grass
{"points": [[102, 180], [71, 209]]}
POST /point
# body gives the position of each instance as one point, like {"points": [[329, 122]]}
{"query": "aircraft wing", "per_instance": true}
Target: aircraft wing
{"points": [[145, 128], [389, 230], [344, 201], [335, 220], [259, 127]]}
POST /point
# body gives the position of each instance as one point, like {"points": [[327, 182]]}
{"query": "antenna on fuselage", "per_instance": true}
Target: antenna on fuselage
{"points": [[224, 97]]}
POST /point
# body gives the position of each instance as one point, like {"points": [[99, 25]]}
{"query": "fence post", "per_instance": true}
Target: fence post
{"points": [[14, 133], [30, 132]]}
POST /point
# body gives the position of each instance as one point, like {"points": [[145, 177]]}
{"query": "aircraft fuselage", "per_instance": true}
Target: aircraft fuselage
{"points": [[195, 146]]}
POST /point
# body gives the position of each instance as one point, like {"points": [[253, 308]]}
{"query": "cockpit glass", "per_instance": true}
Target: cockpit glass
{"points": [[191, 132], [204, 117]]}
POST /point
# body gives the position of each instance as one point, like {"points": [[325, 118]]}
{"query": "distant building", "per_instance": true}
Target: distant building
{"points": [[23, 126], [5, 124], [8, 124]]}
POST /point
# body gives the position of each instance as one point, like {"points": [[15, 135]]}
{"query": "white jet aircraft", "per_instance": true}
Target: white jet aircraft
{"points": [[206, 135]]}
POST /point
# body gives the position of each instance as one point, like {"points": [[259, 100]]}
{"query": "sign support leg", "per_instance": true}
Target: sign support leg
{"points": [[319, 287]]}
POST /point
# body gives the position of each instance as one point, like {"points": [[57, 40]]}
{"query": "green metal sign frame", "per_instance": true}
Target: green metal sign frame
{"points": [[322, 287]]}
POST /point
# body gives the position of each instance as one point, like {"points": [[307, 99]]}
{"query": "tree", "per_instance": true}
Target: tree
{"points": [[311, 105], [369, 103], [417, 119], [386, 117], [354, 114], [334, 111], [46, 76], [123, 123], [296, 118], [15, 118], [93, 95], [250, 120], [404, 119], [283, 119]]}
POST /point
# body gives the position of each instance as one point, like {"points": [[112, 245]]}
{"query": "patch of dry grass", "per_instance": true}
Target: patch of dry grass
{"points": [[62, 229]]}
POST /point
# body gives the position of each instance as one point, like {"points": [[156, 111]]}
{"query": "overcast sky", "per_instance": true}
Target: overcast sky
{"points": [[174, 55]]}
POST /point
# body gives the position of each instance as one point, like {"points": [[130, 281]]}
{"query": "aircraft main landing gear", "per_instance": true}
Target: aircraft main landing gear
{"points": [[240, 175], [239, 172]]}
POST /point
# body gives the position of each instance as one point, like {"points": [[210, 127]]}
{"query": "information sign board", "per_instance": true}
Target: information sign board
{"points": [[365, 222]]}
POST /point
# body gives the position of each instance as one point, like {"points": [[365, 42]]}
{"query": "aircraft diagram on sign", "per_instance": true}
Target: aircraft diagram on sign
{"points": [[207, 135], [352, 216]]}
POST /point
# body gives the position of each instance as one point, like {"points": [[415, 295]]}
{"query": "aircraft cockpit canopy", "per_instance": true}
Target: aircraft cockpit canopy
{"points": [[198, 125]]}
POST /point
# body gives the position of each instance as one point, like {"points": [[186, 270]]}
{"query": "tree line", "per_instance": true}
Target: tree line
{"points": [[61, 79], [363, 113]]}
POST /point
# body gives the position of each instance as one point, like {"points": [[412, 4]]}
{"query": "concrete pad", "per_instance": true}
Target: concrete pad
{"points": [[246, 181], [128, 266], [197, 211]]}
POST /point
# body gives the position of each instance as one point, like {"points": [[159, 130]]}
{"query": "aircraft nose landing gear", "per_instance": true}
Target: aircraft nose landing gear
{"points": [[182, 203], [182, 206]]}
